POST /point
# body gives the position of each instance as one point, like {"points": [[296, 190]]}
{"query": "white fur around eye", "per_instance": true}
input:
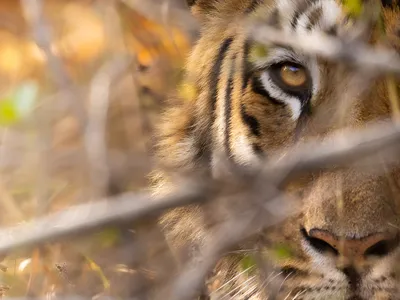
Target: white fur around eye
{"points": [[292, 102], [279, 55]]}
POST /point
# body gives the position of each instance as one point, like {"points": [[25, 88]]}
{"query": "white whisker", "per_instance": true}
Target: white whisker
{"points": [[232, 279], [280, 287], [251, 291], [244, 286], [265, 282], [274, 278], [298, 294], [239, 287], [287, 296]]}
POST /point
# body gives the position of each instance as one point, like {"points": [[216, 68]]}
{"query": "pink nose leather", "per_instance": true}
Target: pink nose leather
{"points": [[355, 248]]}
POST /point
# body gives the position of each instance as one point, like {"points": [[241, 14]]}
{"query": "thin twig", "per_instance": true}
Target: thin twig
{"points": [[350, 52], [88, 217], [178, 17], [339, 149], [229, 234], [33, 13], [95, 133], [130, 207]]}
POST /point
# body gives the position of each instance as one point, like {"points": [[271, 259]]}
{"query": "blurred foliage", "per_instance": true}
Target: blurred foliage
{"points": [[257, 52], [282, 252], [354, 7], [248, 264], [43, 164], [18, 104]]}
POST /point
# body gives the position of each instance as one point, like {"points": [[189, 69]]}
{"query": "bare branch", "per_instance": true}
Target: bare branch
{"points": [[95, 142], [177, 16], [85, 218], [33, 12], [340, 148], [351, 52], [130, 207], [227, 236]]}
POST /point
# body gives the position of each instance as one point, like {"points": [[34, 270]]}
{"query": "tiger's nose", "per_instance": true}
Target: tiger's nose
{"points": [[378, 244]]}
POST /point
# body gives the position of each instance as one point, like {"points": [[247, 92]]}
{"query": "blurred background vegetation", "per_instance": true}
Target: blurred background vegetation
{"points": [[81, 86]]}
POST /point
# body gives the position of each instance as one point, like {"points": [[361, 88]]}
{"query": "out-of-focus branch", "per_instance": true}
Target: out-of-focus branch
{"points": [[339, 149], [88, 217], [311, 156], [95, 133], [130, 207], [33, 13], [350, 52], [177, 16], [227, 236]]}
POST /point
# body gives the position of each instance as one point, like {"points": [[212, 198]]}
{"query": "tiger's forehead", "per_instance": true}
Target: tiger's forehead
{"points": [[302, 16]]}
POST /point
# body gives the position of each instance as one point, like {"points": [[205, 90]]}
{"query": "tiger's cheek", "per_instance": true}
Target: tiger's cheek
{"points": [[269, 127]]}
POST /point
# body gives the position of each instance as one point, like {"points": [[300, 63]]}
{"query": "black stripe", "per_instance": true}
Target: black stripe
{"points": [[228, 108], [216, 69], [246, 75], [290, 270], [314, 17], [300, 10], [253, 6], [257, 149], [250, 121], [191, 2], [202, 142], [332, 31], [390, 3], [258, 88], [274, 19], [302, 120]]}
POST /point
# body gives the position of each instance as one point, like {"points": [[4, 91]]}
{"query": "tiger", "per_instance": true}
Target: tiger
{"points": [[243, 103]]}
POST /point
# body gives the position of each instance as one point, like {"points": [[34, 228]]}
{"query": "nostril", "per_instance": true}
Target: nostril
{"points": [[381, 248], [318, 244]]}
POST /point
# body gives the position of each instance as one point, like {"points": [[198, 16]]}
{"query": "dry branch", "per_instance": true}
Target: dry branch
{"points": [[348, 51], [339, 149], [130, 207], [88, 217], [342, 148], [41, 31], [95, 131], [175, 16]]}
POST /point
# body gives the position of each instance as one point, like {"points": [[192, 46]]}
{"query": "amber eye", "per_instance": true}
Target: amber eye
{"points": [[293, 76]]}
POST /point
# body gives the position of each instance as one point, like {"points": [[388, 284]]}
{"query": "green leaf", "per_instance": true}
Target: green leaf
{"points": [[353, 7], [19, 104], [109, 237], [187, 91], [282, 252], [248, 263], [8, 112], [96, 268], [257, 52]]}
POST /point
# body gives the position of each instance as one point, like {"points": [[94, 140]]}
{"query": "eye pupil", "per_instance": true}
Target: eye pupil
{"points": [[293, 76]]}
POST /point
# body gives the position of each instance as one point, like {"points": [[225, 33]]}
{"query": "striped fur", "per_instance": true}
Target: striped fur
{"points": [[241, 115]]}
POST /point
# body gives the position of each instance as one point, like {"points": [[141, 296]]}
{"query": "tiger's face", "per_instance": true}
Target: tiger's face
{"points": [[253, 102]]}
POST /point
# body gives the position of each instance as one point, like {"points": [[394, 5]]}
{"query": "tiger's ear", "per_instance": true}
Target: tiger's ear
{"points": [[201, 8]]}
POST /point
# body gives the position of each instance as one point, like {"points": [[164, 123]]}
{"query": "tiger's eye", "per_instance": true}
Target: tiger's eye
{"points": [[293, 76]]}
